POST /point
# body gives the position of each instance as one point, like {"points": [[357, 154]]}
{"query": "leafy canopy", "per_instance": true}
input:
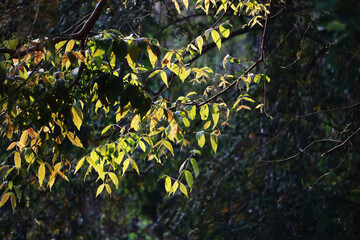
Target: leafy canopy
{"points": [[56, 92]]}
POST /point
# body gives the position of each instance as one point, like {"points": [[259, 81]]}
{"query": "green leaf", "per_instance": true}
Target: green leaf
{"points": [[216, 38], [257, 78], [189, 178], [200, 136], [77, 116], [214, 142], [195, 166], [167, 184]]}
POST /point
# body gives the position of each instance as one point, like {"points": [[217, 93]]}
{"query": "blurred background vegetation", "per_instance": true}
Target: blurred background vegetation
{"points": [[269, 178]]}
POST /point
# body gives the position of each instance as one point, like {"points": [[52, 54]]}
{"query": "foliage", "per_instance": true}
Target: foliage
{"points": [[130, 113]]}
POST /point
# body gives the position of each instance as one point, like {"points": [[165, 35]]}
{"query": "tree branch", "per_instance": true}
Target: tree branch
{"points": [[80, 35]]}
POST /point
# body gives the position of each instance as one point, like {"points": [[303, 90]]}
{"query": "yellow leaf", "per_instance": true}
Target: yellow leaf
{"points": [[216, 38], [214, 142], [142, 145], [11, 146], [17, 160], [174, 131], [204, 112], [126, 165], [200, 136], [225, 32], [77, 116], [13, 201], [177, 6], [41, 173], [152, 56], [207, 125], [167, 184], [70, 45], [164, 78], [24, 137], [168, 145], [112, 59], [215, 115], [167, 58], [108, 188], [114, 179], [186, 3], [183, 189], [134, 165], [5, 198], [207, 6], [135, 122], [200, 43], [74, 139], [174, 187], [99, 190], [79, 164]]}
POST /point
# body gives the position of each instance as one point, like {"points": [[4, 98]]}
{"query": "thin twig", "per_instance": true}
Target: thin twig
{"points": [[341, 144], [300, 152]]}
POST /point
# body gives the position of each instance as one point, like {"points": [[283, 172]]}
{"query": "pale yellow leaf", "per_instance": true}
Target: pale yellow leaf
{"points": [[41, 173], [17, 160], [99, 190], [77, 116], [114, 179]]}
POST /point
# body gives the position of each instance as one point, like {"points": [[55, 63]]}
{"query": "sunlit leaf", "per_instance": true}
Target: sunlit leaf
{"points": [[164, 78], [106, 129], [100, 189], [77, 116], [167, 184], [41, 173], [114, 179], [79, 164], [214, 142], [200, 43], [17, 160], [168, 145], [216, 38], [70, 45], [183, 189], [108, 188], [204, 112], [174, 187], [74, 139], [200, 136]]}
